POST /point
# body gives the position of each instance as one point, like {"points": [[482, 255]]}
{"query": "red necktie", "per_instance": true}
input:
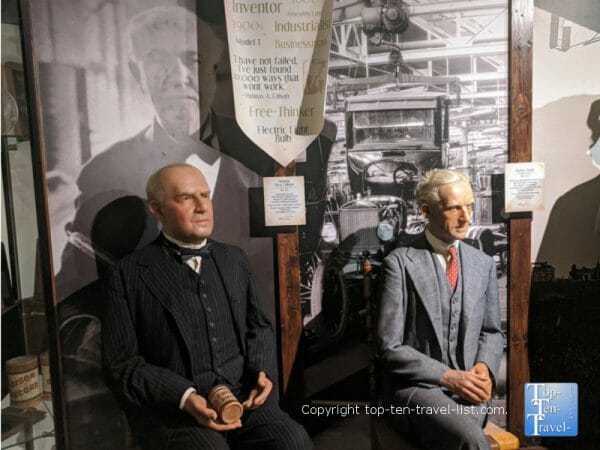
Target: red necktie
{"points": [[452, 268]]}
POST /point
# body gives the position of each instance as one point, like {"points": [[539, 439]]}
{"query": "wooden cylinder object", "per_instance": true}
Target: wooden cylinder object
{"points": [[224, 402], [24, 381], [46, 381]]}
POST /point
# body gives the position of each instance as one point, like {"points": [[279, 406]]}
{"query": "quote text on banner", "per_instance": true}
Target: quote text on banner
{"points": [[279, 54]]}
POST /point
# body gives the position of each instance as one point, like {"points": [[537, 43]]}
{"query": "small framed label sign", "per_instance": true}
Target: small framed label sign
{"points": [[524, 187], [284, 201]]}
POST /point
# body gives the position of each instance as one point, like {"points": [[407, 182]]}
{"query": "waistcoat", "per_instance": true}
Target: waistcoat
{"points": [[451, 306], [215, 345]]}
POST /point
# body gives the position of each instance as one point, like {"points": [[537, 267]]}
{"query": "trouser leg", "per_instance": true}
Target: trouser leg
{"points": [[269, 428], [437, 421]]}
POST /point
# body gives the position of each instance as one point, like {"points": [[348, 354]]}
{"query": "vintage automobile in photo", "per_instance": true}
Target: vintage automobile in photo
{"points": [[391, 139]]}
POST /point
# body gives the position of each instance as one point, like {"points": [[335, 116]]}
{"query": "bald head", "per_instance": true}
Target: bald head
{"points": [[154, 187], [179, 197]]}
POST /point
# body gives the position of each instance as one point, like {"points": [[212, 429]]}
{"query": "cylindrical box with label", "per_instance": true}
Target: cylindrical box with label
{"points": [[24, 381], [224, 402], [46, 381]]}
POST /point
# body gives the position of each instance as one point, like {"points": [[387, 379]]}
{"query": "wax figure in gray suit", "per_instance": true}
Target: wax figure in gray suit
{"points": [[176, 325], [438, 330]]}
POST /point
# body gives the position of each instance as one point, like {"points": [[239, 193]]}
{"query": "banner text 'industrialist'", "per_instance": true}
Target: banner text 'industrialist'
{"points": [[279, 52]]}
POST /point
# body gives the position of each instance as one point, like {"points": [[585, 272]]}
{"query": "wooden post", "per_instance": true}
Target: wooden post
{"points": [[519, 280], [38, 157], [290, 312]]}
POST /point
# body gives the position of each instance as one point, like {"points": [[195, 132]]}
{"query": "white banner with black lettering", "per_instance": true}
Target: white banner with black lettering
{"points": [[279, 54]]}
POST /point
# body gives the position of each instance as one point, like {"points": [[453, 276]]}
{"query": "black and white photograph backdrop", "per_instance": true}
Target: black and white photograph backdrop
{"points": [[128, 86], [421, 86]]}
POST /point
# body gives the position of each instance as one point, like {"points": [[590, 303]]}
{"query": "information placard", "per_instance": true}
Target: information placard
{"points": [[524, 187], [284, 201]]}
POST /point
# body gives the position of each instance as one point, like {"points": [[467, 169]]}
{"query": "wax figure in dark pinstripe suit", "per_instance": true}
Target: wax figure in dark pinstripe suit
{"points": [[176, 325]]}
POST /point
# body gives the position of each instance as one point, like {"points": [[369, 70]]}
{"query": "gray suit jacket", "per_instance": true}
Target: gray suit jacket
{"points": [[410, 318]]}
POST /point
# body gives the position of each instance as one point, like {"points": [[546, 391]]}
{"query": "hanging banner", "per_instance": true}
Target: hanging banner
{"points": [[279, 54]]}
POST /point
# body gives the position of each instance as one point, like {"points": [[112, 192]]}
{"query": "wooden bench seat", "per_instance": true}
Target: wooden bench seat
{"points": [[383, 437]]}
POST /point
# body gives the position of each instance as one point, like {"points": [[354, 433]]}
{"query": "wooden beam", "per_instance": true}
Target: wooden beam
{"points": [[519, 280], [290, 312], [38, 159]]}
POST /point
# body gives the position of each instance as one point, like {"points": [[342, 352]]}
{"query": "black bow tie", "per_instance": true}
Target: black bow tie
{"points": [[189, 253], [184, 253]]}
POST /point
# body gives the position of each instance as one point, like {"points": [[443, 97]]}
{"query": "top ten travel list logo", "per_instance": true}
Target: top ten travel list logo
{"points": [[551, 409]]}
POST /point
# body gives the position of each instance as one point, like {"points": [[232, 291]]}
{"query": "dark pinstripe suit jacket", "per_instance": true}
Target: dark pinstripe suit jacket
{"points": [[112, 212], [146, 332]]}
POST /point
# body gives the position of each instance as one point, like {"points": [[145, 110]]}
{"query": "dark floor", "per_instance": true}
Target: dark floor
{"points": [[351, 433]]}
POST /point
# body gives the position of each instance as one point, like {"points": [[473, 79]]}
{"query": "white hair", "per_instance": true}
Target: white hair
{"points": [[175, 18], [429, 185]]}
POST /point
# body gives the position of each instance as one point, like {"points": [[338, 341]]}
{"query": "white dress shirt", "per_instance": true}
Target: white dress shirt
{"points": [[440, 248], [194, 262]]}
